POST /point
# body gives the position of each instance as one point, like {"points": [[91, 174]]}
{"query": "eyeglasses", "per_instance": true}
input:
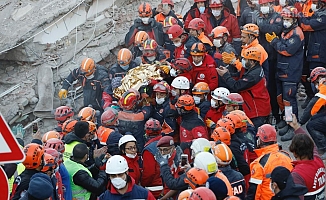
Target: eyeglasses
{"points": [[164, 150], [131, 148]]}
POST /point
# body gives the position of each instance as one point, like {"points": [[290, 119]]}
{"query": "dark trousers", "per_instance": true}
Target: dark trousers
{"points": [[258, 121], [316, 128], [271, 86], [286, 95]]}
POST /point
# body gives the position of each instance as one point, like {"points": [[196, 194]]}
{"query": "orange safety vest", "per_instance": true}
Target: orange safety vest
{"points": [[278, 8], [204, 39], [160, 18]]}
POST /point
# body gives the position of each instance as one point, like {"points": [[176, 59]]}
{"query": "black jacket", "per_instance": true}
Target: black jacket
{"points": [[171, 182], [22, 182], [242, 165], [204, 108], [291, 191], [71, 137]]}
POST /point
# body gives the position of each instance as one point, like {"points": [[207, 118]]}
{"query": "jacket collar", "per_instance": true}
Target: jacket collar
{"points": [[267, 149]]}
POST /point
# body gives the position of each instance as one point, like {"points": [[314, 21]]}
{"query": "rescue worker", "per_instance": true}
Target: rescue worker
{"points": [[34, 161], [233, 101], [200, 93], [196, 177], [151, 52], [131, 118], [87, 114], [140, 38], [62, 114], [146, 23], [128, 149], [269, 157], [181, 40], [95, 82], [289, 63], [196, 29], [151, 178], [109, 121], [167, 10], [308, 166], [121, 185], [179, 86], [49, 135], [164, 111], [199, 7], [221, 16], [68, 126], [220, 134], [251, 86], [48, 169], [249, 11], [218, 187], [223, 155], [316, 111], [201, 192], [203, 66], [168, 44], [181, 67]]}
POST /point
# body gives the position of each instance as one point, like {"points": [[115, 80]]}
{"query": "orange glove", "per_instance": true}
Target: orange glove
{"points": [[228, 58]]}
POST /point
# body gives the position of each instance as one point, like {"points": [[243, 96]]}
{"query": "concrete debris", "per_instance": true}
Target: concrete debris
{"points": [[19, 13]]}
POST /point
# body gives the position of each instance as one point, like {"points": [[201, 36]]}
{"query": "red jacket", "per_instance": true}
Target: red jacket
{"points": [[228, 20], [205, 73], [134, 170], [179, 52], [193, 13], [192, 127]]}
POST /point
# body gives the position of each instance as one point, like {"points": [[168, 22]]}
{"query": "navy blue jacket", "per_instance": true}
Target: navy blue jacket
{"points": [[236, 180], [166, 113]]}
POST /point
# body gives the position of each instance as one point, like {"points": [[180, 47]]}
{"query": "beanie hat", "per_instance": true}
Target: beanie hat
{"points": [[112, 143], [218, 187], [40, 186], [81, 129]]}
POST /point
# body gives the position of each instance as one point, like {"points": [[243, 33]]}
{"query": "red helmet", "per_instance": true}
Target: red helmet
{"points": [[62, 113], [233, 99], [290, 12], [169, 21], [162, 87], [34, 154], [267, 133], [170, 2], [182, 64], [109, 117], [196, 24], [56, 144], [68, 126], [318, 71], [226, 123], [49, 163], [145, 10], [175, 31], [202, 193], [153, 127], [56, 155], [215, 3], [129, 99]]}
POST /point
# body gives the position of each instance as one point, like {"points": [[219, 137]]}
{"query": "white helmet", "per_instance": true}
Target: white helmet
{"points": [[181, 82], [200, 145], [219, 93], [126, 138], [206, 161], [116, 165]]}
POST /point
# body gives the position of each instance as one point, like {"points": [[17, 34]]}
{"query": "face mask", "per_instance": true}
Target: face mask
{"points": [[255, 2], [314, 7], [173, 72], [56, 169], [151, 58], [216, 13], [282, 3], [217, 43], [179, 111], [287, 24], [124, 67], [119, 183], [141, 48], [177, 44], [213, 104], [174, 93], [199, 64], [317, 86], [90, 76], [201, 9], [197, 100], [270, 187], [243, 62], [159, 100], [131, 155], [145, 20], [264, 9]]}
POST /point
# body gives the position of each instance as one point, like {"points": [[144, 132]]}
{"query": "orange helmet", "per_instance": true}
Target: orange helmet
{"points": [[62, 113], [219, 31], [68, 126], [215, 3], [49, 163], [103, 134], [150, 46], [226, 123], [169, 21], [175, 31], [267, 133], [222, 134], [252, 29], [223, 154], [124, 56], [236, 120], [140, 38], [198, 49], [34, 154], [185, 102], [56, 144], [145, 10], [49, 135], [200, 88], [251, 53], [87, 66], [196, 24], [56, 155], [129, 99], [109, 117], [202, 193], [184, 195], [87, 114], [242, 115], [92, 127], [196, 177]]}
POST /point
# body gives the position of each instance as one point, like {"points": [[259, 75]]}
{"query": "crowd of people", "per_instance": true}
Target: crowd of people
{"points": [[203, 130]]}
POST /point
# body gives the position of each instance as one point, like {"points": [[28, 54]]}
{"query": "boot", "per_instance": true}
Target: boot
{"points": [[288, 136], [281, 125], [305, 104], [283, 130]]}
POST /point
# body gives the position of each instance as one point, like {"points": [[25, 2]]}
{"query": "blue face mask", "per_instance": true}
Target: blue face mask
{"points": [[124, 67], [201, 9]]}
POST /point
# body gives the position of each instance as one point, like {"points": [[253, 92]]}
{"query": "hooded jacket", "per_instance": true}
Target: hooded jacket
{"points": [[291, 191]]}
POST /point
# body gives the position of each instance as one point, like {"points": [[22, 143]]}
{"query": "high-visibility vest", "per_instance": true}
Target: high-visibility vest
{"points": [[68, 149], [19, 170]]}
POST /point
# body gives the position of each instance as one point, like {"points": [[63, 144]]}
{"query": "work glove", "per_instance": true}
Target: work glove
{"points": [[165, 69], [160, 160], [63, 93], [270, 37], [228, 58], [209, 123]]}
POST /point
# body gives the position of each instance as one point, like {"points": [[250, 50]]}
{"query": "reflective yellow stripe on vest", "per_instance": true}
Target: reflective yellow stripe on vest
{"points": [[19, 170], [68, 149]]}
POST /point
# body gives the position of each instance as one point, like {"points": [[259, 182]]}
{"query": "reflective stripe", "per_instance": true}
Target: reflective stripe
{"points": [[321, 95], [255, 181], [155, 188], [315, 192]]}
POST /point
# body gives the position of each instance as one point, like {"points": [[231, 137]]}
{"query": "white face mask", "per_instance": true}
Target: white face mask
{"points": [[317, 86], [151, 58], [177, 44], [160, 100], [314, 7], [213, 104], [270, 187], [145, 20], [287, 24], [197, 100], [174, 93], [199, 64], [141, 48], [124, 67], [118, 183], [90, 76], [201, 9], [173, 72], [217, 43], [243, 62], [282, 3], [264, 10], [129, 155], [216, 13], [254, 2]]}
